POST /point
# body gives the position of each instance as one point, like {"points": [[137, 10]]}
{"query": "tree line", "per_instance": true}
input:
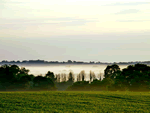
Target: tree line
{"points": [[133, 78], [36, 62], [12, 77]]}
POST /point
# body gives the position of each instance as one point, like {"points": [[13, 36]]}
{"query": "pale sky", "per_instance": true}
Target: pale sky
{"points": [[81, 30]]}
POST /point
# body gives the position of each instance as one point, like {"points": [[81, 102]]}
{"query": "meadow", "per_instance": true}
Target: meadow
{"points": [[75, 102]]}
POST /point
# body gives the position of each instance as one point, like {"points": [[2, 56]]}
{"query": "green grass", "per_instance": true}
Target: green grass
{"points": [[77, 102]]}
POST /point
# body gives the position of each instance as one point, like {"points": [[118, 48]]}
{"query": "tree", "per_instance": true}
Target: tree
{"points": [[25, 79], [9, 73], [11, 76], [95, 85], [63, 77], [24, 71], [70, 78], [25, 82], [69, 61], [136, 76], [107, 84], [43, 83], [50, 75], [111, 71], [14, 69], [57, 77], [92, 76], [78, 77], [82, 74]]}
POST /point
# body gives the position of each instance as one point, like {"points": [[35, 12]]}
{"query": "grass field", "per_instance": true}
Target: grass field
{"points": [[66, 102]]}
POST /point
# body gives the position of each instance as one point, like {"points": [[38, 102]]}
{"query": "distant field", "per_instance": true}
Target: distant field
{"points": [[77, 102]]}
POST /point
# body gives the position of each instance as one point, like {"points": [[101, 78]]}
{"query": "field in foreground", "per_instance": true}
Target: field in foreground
{"points": [[77, 102]]}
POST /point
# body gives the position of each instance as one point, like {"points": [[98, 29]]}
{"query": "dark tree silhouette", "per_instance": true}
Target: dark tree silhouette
{"points": [[24, 71], [82, 75], [136, 76], [14, 78], [50, 75], [70, 78], [111, 71], [43, 83], [11, 76]]}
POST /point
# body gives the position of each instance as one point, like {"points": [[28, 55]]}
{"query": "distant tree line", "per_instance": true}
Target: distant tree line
{"points": [[67, 62], [47, 62]]}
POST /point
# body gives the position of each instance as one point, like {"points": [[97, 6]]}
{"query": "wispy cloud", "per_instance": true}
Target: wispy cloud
{"points": [[132, 20], [68, 19], [128, 4], [23, 23], [129, 11], [11, 2]]}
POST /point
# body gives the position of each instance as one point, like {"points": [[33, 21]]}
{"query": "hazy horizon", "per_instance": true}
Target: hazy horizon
{"points": [[77, 30]]}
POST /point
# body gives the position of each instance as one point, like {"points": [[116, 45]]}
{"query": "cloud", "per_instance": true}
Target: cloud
{"points": [[11, 2], [23, 23], [66, 19], [22, 26], [129, 11], [132, 20], [128, 4]]}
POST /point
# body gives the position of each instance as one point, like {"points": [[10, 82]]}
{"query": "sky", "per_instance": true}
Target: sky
{"points": [[80, 30]]}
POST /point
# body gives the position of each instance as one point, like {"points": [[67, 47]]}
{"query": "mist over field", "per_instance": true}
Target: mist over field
{"points": [[98, 69]]}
